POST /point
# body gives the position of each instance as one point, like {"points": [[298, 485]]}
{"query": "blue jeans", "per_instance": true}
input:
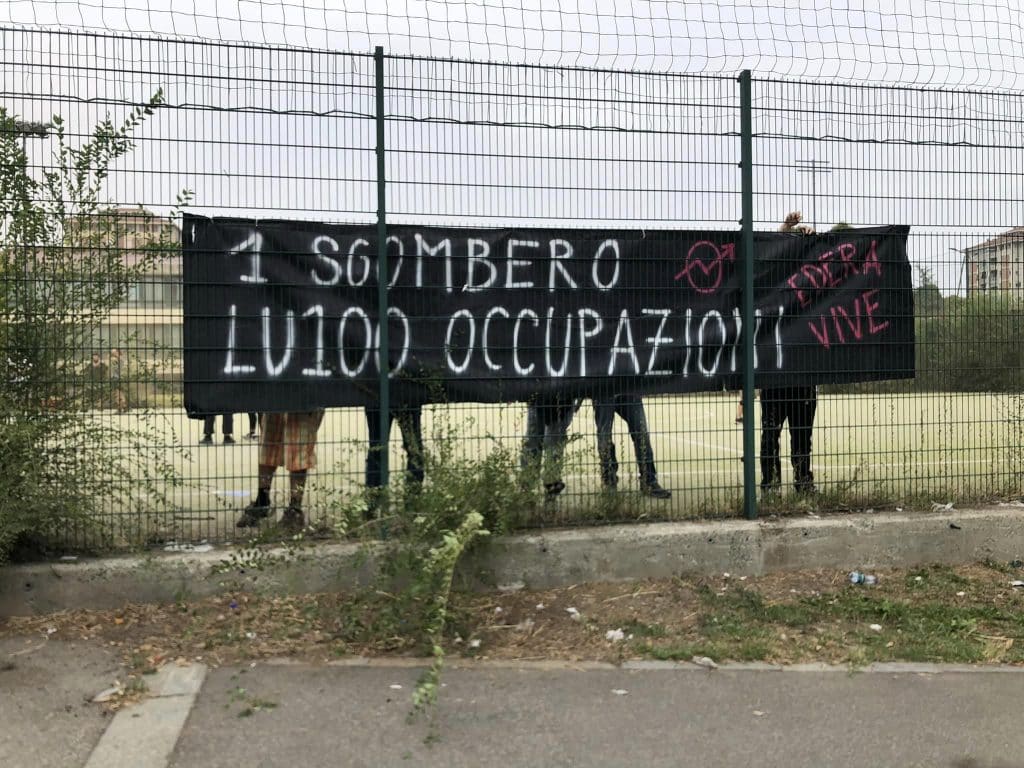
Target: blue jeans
{"points": [[410, 423], [631, 409], [544, 445]]}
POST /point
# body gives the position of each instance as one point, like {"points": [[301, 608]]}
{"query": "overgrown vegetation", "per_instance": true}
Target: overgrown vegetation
{"points": [[973, 344], [63, 269], [935, 614], [964, 614], [416, 535], [428, 528]]}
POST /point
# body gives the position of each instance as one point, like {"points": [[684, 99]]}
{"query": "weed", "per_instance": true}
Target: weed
{"points": [[135, 686], [252, 704], [926, 614], [641, 629]]}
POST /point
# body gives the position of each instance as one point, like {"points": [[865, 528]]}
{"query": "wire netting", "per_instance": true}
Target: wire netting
{"points": [[267, 131], [925, 42]]}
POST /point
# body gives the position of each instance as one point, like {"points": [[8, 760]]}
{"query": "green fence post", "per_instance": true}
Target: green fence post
{"points": [[382, 273], [747, 310]]}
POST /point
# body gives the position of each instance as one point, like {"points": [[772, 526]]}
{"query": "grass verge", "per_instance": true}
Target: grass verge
{"points": [[968, 614]]}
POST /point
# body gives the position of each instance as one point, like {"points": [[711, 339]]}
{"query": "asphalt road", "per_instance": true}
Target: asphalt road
{"points": [[522, 717], [282, 714], [46, 720]]}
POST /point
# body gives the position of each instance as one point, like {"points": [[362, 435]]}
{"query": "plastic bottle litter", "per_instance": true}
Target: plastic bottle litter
{"points": [[867, 579]]}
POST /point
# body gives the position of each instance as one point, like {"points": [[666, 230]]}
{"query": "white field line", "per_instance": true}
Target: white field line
{"points": [[733, 470], [704, 444]]}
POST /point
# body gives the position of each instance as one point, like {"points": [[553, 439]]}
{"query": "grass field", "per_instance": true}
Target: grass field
{"points": [[869, 450]]}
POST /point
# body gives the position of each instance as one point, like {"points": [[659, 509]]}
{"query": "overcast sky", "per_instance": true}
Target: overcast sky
{"points": [[289, 134], [975, 43]]}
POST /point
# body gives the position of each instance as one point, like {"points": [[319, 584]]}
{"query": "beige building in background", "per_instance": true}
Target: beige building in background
{"points": [[996, 265], [149, 322]]}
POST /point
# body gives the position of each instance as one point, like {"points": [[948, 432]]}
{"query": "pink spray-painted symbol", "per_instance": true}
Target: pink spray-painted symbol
{"points": [[703, 270]]}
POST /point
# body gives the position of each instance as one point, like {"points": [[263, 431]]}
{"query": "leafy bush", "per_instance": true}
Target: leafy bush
{"points": [[974, 346], [61, 273], [964, 345]]}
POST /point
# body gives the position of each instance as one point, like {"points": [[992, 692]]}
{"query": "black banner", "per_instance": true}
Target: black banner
{"points": [[282, 315]]}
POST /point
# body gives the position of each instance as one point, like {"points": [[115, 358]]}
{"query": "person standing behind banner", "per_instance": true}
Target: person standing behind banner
{"points": [[547, 427], [410, 424], [797, 405], [210, 425], [254, 421], [631, 408], [286, 440]]}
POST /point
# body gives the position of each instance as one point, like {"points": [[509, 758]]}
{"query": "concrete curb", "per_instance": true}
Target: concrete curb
{"points": [[643, 665], [742, 547], [539, 560], [146, 734]]}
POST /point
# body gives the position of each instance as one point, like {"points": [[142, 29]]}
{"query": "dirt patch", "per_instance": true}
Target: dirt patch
{"points": [[967, 614]]}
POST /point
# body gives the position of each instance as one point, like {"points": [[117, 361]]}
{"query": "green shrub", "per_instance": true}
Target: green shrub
{"points": [[61, 273], [965, 345]]}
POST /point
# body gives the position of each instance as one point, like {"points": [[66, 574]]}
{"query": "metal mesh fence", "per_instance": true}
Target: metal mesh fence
{"points": [[920, 42], [266, 133], [944, 162]]}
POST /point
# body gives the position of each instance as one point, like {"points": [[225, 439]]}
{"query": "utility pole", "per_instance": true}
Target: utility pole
{"points": [[814, 167], [963, 271]]}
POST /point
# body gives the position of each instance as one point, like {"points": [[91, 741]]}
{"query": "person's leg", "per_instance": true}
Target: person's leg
{"points": [[296, 487], [209, 424], [530, 456], [801, 425], [253, 421], [556, 420], [771, 432], [410, 423], [271, 456], [227, 425], [376, 446], [604, 417], [631, 409], [300, 457], [553, 455], [264, 479]]}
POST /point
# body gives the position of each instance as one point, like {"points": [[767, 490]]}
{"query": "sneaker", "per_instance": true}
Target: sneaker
{"points": [[293, 521], [252, 436], [252, 515], [655, 491], [229, 440], [207, 440]]}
